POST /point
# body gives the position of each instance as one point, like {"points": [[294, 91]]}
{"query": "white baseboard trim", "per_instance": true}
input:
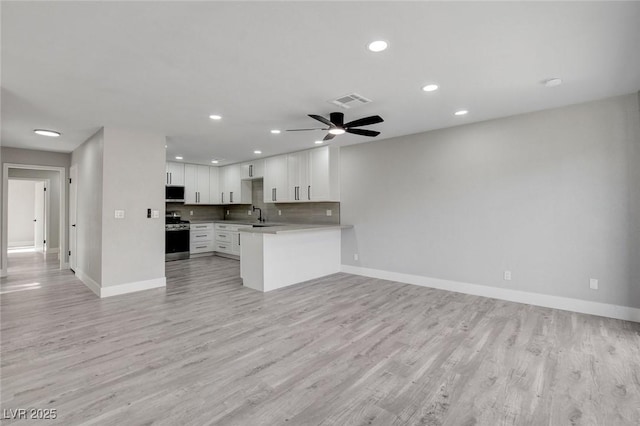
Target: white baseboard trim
{"points": [[12, 244], [88, 281], [557, 302], [116, 290]]}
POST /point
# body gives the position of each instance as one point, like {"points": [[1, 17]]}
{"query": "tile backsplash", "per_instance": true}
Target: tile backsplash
{"points": [[279, 212], [199, 212]]}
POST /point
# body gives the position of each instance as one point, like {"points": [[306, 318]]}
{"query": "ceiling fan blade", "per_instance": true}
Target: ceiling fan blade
{"points": [[337, 118], [321, 119], [365, 121], [329, 137], [363, 132], [304, 130]]}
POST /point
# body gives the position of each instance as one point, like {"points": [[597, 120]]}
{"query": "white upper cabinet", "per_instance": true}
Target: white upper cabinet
{"points": [[275, 179], [298, 176], [215, 191], [174, 174], [234, 189], [253, 169], [324, 174], [196, 184]]}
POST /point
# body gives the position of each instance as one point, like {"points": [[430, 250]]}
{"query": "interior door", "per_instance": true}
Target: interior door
{"points": [[39, 216], [73, 215]]}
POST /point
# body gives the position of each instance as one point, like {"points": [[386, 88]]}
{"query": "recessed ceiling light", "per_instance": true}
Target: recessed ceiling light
{"points": [[215, 117], [257, 152], [178, 158], [275, 131], [336, 131], [378, 46], [319, 142], [50, 133], [552, 82], [461, 112], [430, 87], [215, 161], [165, 146]]}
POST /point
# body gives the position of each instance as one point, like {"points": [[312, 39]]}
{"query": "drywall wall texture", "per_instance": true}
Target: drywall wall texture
{"points": [[21, 212], [88, 159], [133, 181], [38, 158], [551, 196], [54, 200], [284, 212]]}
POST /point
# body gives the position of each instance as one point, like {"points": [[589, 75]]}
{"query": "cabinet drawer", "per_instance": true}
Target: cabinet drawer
{"points": [[223, 247], [224, 236], [199, 236], [201, 247], [201, 226]]}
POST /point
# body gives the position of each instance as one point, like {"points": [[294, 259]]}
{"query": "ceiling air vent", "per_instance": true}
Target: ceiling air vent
{"points": [[350, 101]]}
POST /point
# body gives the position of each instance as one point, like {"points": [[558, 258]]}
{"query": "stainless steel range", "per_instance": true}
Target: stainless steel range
{"points": [[177, 232]]}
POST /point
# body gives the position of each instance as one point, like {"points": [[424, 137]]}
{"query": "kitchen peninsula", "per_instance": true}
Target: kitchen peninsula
{"points": [[279, 256]]}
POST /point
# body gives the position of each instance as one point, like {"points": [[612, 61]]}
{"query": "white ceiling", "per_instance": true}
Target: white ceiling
{"points": [[166, 66]]}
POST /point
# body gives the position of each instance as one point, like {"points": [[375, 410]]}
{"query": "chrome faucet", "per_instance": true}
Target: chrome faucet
{"points": [[260, 219]]}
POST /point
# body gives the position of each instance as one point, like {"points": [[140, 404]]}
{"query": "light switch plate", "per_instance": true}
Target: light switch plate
{"points": [[329, 212], [593, 284], [155, 214], [119, 214]]}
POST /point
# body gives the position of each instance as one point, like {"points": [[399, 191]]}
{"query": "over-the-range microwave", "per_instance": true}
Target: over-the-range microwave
{"points": [[174, 194]]}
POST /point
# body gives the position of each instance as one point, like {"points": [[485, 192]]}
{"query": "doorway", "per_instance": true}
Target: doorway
{"points": [[48, 233], [28, 215]]}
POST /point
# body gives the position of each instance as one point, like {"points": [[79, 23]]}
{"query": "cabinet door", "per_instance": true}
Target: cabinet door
{"points": [[275, 179], [190, 183], [214, 186], [174, 174], [203, 185], [319, 175], [252, 170], [233, 184]]}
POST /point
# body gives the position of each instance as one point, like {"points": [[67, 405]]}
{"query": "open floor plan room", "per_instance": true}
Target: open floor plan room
{"points": [[310, 213]]}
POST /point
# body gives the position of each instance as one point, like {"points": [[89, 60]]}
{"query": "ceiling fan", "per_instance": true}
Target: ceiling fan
{"points": [[337, 126]]}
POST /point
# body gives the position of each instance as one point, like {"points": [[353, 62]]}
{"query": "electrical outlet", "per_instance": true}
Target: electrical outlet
{"points": [[148, 213], [249, 212], [593, 284], [119, 214], [191, 213], [329, 212], [279, 212], [507, 275], [227, 212], [355, 256]]}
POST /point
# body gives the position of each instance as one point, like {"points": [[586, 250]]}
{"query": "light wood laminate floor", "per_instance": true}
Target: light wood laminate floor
{"points": [[342, 350]]}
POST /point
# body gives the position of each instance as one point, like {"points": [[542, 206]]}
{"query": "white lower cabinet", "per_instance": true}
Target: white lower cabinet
{"points": [[227, 238], [201, 238]]}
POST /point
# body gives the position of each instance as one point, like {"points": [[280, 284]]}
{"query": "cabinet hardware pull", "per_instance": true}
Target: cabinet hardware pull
{"points": [[238, 239], [201, 247], [222, 197], [167, 178], [250, 170], [198, 236], [171, 177], [231, 197], [309, 192]]}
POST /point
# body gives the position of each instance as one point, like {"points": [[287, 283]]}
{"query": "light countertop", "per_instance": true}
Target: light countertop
{"points": [[281, 229]]}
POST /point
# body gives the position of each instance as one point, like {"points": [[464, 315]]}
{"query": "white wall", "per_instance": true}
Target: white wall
{"points": [[21, 211], [134, 167], [88, 158], [553, 196], [120, 169]]}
